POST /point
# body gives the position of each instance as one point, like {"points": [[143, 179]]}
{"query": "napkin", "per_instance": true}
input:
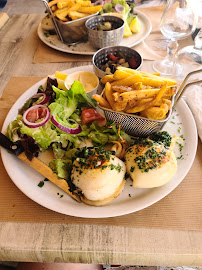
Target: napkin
{"points": [[194, 100], [45, 54], [3, 19]]}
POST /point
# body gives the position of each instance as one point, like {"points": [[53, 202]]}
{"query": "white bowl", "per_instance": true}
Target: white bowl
{"points": [[89, 80]]}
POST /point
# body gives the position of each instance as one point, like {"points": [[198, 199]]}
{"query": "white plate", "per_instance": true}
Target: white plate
{"points": [[27, 179], [86, 49]]}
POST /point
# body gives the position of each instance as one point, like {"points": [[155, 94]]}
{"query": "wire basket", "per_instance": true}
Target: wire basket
{"points": [[138, 126]]}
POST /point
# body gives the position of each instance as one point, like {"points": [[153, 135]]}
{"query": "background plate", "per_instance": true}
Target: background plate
{"points": [[180, 123], [86, 49]]}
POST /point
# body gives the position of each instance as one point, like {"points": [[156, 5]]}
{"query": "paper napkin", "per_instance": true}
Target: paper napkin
{"points": [[194, 100]]}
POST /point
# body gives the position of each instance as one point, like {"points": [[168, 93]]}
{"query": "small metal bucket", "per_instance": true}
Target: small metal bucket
{"points": [[101, 39], [70, 32], [138, 126]]}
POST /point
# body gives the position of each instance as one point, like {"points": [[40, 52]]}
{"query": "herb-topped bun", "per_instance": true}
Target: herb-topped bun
{"points": [[99, 175], [151, 161], [47, 24]]}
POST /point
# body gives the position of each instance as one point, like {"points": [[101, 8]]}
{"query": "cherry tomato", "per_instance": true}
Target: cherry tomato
{"points": [[132, 63], [89, 115], [113, 57], [36, 114]]}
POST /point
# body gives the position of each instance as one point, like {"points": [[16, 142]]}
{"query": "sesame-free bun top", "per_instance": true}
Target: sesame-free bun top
{"points": [[150, 164], [100, 176]]}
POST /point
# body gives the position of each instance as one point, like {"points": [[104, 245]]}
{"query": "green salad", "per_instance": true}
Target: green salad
{"points": [[61, 121]]}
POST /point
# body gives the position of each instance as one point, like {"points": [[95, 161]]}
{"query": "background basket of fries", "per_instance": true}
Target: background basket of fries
{"points": [[70, 16], [141, 102]]}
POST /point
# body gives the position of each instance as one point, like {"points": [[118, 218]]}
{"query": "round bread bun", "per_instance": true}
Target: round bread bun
{"points": [[105, 201], [99, 184], [47, 24], [155, 177]]}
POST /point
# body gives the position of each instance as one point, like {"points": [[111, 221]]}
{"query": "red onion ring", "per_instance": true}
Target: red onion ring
{"points": [[69, 130], [38, 124], [119, 8], [99, 2], [46, 98]]}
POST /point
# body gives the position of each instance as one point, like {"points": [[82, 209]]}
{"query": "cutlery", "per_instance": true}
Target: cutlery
{"points": [[18, 150]]}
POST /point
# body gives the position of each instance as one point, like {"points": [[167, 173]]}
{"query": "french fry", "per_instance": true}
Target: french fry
{"points": [[167, 102], [101, 101], [128, 70], [62, 16], [54, 8], [74, 15], [121, 89], [149, 75], [130, 80], [61, 11], [139, 94], [61, 5], [90, 10], [158, 103], [108, 93], [143, 101], [116, 96], [149, 104], [107, 78], [75, 7], [165, 107], [154, 113], [54, 2], [131, 103], [152, 82], [146, 93], [118, 105], [159, 78], [137, 86], [85, 3], [119, 74]]}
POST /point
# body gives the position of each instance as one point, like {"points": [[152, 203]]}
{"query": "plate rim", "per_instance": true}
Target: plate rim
{"points": [[4, 155], [44, 40]]}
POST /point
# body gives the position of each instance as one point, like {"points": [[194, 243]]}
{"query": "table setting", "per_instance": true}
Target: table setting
{"points": [[38, 60]]}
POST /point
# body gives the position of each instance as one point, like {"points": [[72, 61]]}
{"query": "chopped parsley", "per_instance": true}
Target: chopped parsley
{"points": [[46, 34], [41, 184], [132, 169], [126, 176]]}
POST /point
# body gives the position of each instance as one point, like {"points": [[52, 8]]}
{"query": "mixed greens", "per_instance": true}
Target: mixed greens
{"points": [[63, 132], [120, 6]]}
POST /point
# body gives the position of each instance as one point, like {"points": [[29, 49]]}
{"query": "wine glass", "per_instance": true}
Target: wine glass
{"points": [[178, 22], [192, 54]]}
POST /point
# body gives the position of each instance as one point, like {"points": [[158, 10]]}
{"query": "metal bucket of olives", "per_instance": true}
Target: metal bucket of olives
{"points": [[105, 31]]}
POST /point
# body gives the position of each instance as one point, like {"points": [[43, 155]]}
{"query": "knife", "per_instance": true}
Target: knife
{"points": [[18, 150]]}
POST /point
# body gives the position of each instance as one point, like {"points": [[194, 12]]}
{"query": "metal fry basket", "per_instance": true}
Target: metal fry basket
{"points": [[139, 126]]}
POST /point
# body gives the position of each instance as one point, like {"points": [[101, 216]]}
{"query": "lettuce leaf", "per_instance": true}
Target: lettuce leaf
{"points": [[61, 167]]}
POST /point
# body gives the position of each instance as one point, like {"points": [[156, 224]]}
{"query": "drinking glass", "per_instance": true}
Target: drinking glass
{"points": [[192, 54], [178, 22]]}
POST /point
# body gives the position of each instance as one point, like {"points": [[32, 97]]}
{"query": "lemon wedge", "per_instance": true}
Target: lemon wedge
{"points": [[60, 75], [127, 31], [135, 25]]}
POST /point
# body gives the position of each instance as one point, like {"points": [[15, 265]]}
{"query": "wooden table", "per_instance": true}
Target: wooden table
{"points": [[80, 243]]}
